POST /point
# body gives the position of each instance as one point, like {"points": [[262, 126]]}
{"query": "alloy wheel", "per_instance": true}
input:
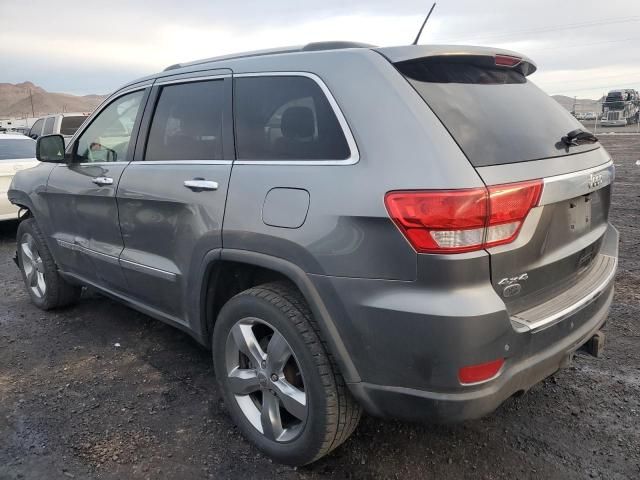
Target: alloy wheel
{"points": [[32, 265], [265, 379]]}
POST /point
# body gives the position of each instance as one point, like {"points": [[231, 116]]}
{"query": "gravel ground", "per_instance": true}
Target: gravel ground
{"points": [[101, 391]]}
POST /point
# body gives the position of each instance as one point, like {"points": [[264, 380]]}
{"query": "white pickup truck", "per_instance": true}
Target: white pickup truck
{"points": [[64, 124]]}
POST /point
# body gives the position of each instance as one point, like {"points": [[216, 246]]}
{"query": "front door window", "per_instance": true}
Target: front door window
{"points": [[107, 138]]}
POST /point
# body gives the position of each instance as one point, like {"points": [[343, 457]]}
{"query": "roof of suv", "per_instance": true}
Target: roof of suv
{"points": [[393, 54]]}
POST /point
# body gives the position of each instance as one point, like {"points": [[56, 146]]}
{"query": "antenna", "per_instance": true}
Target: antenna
{"points": [[415, 42]]}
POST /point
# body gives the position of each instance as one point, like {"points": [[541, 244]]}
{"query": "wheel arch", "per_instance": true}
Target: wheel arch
{"points": [[20, 200], [218, 264]]}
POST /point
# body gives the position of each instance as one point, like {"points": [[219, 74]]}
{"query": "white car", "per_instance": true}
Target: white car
{"points": [[17, 152]]}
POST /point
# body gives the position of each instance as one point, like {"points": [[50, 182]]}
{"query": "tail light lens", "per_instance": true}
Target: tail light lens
{"points": [[507, 61], [456, 221]]}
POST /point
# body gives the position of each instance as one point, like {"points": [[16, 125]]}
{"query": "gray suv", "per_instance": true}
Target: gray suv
{"points": [[415, 231]]}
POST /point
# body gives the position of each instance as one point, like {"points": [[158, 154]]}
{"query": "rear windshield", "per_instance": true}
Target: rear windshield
{"points": [[17, 148], [495, 114], [69, 125]]}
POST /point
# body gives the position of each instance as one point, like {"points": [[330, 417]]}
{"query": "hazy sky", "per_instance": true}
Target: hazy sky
{"points": [[582, 47]]}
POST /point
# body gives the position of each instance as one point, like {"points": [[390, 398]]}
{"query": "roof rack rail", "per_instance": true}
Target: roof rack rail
{"points": [[310, 47], [334, 45]]}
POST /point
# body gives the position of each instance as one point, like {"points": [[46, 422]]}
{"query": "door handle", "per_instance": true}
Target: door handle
{"points": [[199, 184], [102, 181]]}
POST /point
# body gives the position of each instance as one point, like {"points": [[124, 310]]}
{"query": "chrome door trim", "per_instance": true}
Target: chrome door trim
{"points": [[68, 245], [96, 164], [192, 79], [99, 255], [344, 125], [76, 247], [182, 162], [575, 184], [156, 272]]}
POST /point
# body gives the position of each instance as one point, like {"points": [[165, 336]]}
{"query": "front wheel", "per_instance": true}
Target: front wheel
{"points": [[45, 286], [278, 381]]}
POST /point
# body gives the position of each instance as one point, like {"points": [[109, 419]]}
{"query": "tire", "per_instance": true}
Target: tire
{"points": [[330, 413], [45, 286]]}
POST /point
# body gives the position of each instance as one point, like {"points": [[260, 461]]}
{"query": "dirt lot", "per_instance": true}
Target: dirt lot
{"points": [[75, 405]]}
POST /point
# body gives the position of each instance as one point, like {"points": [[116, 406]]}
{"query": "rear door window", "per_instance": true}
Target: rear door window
{"points": [[496, 114], [286, 118], [187, 123], [48, 126], [69, 125]]}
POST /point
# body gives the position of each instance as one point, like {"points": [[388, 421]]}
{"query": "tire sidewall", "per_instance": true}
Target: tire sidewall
{"points": [[304, 448]]}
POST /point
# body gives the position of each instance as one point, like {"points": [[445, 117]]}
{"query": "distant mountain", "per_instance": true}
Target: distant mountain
{"points": [[582, 104], [15, 101]]}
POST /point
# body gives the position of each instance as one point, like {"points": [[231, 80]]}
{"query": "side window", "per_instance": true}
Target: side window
{"points": [[187, 123], [48, 125], [36, 128], [69, 125], [286, 118], [107, 138]]}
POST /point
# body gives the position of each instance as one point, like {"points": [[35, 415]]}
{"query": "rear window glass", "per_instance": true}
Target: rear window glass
{"points": [[496, 114], [13, 149], [286, 118], [69, 125], [460, 72]]}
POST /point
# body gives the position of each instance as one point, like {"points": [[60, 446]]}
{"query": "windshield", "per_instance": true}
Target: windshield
{"points": [[69, 125], [17, 148], [496, 114]]}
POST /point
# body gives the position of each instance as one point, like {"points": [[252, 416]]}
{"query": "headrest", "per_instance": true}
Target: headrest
{"points": [[297, 123]]}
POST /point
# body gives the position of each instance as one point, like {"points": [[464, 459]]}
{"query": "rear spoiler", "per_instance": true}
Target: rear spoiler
{"points": [[503, 58]]}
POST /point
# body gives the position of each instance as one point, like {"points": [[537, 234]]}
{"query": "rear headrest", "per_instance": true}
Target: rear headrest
{"points": [[298, 123]]}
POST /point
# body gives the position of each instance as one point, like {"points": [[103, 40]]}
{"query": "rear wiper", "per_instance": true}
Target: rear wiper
{"points": [[577, 137]]}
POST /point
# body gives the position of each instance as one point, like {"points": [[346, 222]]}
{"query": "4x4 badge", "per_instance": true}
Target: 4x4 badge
{"points": [[511, 285]]}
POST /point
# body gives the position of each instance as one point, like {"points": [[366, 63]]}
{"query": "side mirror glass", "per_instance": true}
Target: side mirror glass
{"points": [[50, 148]]}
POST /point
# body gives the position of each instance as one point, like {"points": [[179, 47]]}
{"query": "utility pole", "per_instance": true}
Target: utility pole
{"points": [[33, 112]]}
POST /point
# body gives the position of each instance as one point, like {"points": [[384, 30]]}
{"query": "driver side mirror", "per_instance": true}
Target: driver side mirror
{"points": [[50, 148]]}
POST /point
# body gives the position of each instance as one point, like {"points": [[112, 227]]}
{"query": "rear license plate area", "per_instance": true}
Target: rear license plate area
{"points": [[579, 211]]}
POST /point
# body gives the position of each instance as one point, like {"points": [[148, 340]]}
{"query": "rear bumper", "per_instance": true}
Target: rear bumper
{"points": [[408, 342], [413, 404]]}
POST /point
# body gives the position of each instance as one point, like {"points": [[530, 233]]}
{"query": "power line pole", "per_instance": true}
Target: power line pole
{"points": [[33, 112]]}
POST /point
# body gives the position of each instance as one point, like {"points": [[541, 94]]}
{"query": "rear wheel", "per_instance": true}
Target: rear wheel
{"points": [[45, 286], [278, 381]]}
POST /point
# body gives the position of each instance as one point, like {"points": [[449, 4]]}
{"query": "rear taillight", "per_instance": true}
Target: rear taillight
{"points": [[456, 221]]}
